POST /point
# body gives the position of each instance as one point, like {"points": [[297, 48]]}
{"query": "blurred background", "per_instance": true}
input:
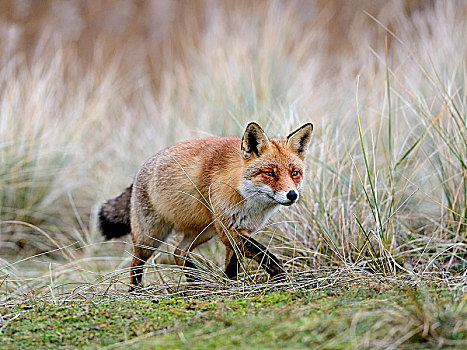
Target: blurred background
{"points": [[149, 38], [89, 89]]}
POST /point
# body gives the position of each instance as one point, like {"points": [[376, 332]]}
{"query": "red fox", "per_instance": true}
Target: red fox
{"points": [[221, 185]]}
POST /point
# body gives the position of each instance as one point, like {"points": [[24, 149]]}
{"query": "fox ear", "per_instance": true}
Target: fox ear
{"points": [[299, 140], [254, 141]]}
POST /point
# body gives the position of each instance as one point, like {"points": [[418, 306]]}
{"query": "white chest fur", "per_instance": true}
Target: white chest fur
{"points": [[252, 214]]}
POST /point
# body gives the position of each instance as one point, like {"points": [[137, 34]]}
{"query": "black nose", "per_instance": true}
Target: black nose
{"points": [[292, 196]]}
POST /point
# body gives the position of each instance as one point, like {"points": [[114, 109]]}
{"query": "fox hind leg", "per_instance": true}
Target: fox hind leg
{"points": [[141, 255], [182, 253], [147, 236]]}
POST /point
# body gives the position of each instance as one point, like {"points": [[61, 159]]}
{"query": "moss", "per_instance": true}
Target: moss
{"points": [[272, 320]]}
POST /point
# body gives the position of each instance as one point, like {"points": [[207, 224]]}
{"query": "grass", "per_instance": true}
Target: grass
{"points": [[377, 317], [384, 202]]}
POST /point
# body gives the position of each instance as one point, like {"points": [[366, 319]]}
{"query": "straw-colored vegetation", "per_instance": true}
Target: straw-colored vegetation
{"points": [[90, 89]]}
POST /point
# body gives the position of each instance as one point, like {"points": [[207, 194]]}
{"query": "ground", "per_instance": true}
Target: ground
{"points": [[371, 316]]}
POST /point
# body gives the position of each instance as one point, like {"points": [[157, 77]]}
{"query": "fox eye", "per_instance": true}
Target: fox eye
{"points": [[295, 173], [268, 173]]}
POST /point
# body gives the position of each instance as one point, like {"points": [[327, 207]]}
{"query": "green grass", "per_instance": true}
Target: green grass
{"points": [[332, 318]]}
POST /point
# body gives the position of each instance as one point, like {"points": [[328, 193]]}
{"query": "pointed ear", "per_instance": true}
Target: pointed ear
{"points": [[299, 140], [254, 141]]}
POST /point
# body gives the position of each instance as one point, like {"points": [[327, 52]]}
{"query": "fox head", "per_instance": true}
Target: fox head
{"points": [[274, 168]]}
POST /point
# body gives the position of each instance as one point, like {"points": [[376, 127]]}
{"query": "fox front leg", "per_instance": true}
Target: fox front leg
{"points": [[254, 250]]}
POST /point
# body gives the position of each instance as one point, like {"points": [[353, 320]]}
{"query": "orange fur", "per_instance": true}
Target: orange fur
{"points": [[203, 188]]}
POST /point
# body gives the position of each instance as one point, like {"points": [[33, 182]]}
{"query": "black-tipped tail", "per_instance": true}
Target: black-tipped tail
{"points": [[114, 215]]}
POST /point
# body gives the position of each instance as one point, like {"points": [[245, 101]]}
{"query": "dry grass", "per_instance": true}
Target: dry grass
{"points": [[91, 89]]}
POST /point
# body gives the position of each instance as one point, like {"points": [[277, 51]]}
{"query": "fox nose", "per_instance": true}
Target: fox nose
{"points": [[292, 196]]}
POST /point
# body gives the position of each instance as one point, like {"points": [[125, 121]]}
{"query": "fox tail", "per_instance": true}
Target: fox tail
{"points": [[114, 215]]}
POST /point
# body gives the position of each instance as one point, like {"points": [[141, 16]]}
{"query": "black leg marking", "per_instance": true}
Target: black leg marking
{"points": [[190, 274], [232, 268], [254, 249], [137, 275], [137, 269]]}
